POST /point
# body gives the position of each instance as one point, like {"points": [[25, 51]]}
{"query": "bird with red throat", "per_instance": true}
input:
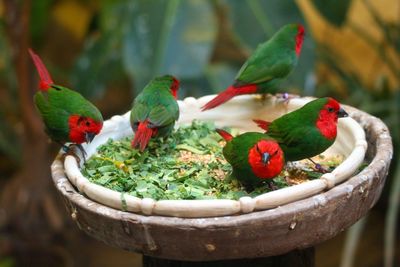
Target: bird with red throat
{"points": [[254, 157], [67, 115], [307, 131]]}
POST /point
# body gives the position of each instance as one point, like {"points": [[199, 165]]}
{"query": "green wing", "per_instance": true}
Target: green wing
{"points": [[73, 103], [55, 119], [265, 65], [297, 133], [163, 115], [290, 128], [57, 105], [266, 71], [289, 135], [157, 105], [300, 142], [273, 59], [139, 111]]}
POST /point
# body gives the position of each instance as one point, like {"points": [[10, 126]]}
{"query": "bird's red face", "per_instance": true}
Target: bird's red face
{"points": [[299, 39], [266, 159], [175, 87], [83, 129], [328, 117]]}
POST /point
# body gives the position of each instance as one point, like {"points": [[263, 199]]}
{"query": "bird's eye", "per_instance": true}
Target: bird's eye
{"points": [[331, 109], [87, 123]]}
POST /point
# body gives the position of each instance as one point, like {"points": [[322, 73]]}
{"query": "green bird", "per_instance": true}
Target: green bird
{"points": [[307, 131], [155, 110], [269, 65], [255, 157], [67, 115]]}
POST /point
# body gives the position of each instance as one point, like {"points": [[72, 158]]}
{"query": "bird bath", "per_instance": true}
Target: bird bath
{"points": [[274, 223]]}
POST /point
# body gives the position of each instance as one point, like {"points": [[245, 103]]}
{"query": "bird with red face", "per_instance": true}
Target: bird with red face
{"points": [[255, 157], [67, 115], [267, 67], [155, 110], [307, 131]]}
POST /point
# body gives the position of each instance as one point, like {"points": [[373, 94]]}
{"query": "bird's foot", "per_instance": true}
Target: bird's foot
{"points": [[318, 167], [248, 187], [83, 152], [272, 185], [264, 97], [285, 97], [65, 148], [74, 150]]}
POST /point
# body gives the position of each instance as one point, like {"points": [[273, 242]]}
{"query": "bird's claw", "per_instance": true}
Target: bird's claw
{"points": [[285, 97], [318, 167], [272, 185], [72, 150]]}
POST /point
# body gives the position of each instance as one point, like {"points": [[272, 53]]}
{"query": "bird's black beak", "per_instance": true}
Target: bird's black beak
{"points": [[342, 113], [89, 137], [265, 158]]}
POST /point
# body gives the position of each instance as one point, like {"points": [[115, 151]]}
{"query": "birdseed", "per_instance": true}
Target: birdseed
{"points": [[188, 164]]}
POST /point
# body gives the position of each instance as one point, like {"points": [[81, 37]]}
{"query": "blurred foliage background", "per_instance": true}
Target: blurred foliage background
{"points": [[108, 50]]}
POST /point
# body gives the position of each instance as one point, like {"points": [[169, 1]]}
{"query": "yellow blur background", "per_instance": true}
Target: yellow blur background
{"points": [[96, 47]]}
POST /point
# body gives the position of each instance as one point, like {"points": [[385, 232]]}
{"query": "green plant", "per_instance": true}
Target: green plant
{"points": [[379, 100]]}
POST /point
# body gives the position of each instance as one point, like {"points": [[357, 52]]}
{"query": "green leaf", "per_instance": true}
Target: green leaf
{"points": [[40, 13], [335, 11], [220, 76], [141, 186], [391, 218], [162, 37], [190, 148], [353, 238], [101, 59], [96, 66], [104, 179], [169, 171], [7, 262], [9, 142]]}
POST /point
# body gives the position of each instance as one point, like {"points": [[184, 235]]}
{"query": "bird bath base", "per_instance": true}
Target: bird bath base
{"points": [[298, 258], [281, 230]]}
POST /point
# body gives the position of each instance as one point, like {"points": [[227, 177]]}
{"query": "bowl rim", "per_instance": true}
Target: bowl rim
{"points": [[217, 207], [296, 225]]}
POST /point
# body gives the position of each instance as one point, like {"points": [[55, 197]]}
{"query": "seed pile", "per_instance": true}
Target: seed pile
{"points": [[188, 164]]}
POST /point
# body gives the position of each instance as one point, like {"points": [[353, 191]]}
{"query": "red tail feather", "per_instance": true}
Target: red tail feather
{"points": [[45, 78], [230, 92], [227, 136], [262, 124], [142, 135]]}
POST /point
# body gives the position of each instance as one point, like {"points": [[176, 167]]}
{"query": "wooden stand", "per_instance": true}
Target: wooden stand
{"points": [[298, 258]]}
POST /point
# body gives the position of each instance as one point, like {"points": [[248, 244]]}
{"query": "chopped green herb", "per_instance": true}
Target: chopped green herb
{"points": [[188, 164]]}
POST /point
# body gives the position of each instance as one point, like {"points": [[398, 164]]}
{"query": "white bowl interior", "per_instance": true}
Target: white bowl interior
{"points": [[237, 113]]}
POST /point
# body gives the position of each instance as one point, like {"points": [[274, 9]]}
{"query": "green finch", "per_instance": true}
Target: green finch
{"points": [[155, 110], [269, 65], [67, 115], [255, 157], [307, 131]]}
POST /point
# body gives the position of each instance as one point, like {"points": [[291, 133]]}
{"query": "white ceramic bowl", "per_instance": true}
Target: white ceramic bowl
{"points": [[237, 113]]}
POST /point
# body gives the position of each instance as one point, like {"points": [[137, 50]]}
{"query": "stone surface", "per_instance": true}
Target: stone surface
{"points": [[297, 225]]}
